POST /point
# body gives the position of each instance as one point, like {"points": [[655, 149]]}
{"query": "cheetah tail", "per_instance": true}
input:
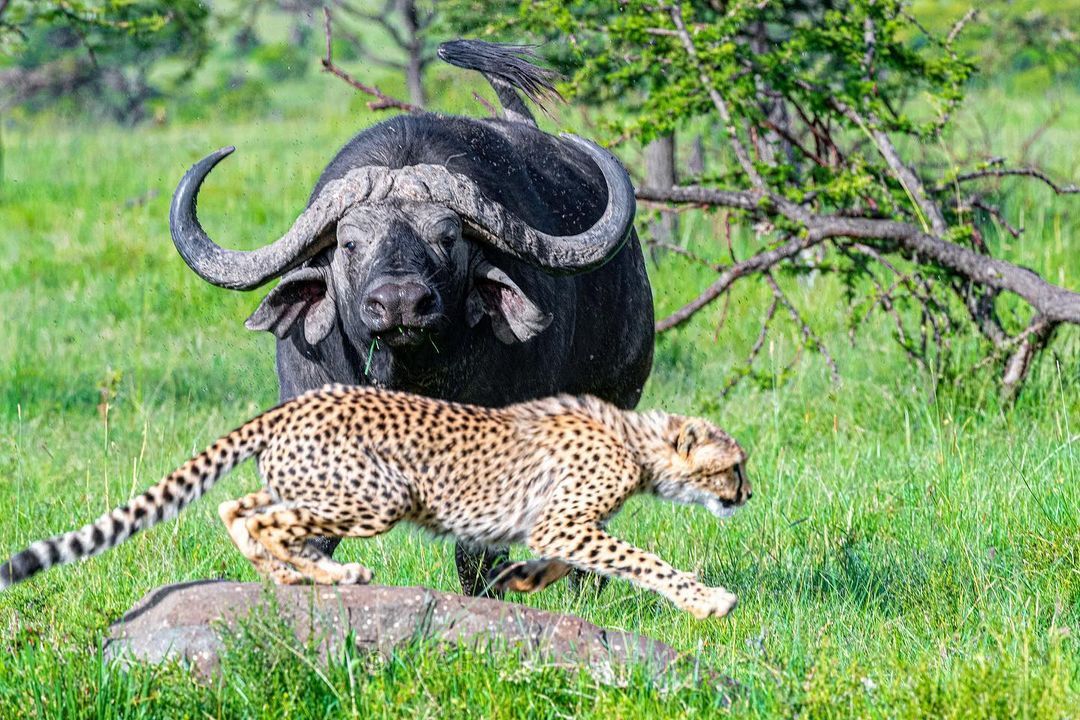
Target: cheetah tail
{"points": [[161, 502]]}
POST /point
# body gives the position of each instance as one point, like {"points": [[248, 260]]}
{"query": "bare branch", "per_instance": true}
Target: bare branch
{"points": [[487, 106], [754, 264], [382, 100], [667, 207], [927, 210], [787, 136], [1029, 344], [980, 306], [870, 39], [1009, 172], [885, 299], [717, 100], [809, 338], [995, 212], [1057, 304], [695, 194], [958, 27], [754, 350]]}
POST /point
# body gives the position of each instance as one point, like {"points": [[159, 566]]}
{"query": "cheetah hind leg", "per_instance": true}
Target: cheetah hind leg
{"points": [[284, 532], [527, 576], [475, 567], [234, 514]]}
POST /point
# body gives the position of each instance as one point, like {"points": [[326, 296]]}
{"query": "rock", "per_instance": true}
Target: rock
{"points": [[186, 621]]}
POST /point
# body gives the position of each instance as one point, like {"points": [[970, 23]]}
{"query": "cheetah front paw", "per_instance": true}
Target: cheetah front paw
{"points": [[355, 574], [714, 602], [511, 576], [283, 575]]}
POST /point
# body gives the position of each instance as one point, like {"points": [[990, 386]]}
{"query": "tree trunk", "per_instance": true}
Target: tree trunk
{"points": [[660, 175], [695, 164], [414, 73], [414, 66]]}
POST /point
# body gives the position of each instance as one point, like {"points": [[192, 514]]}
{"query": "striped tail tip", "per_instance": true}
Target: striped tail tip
{"points": [[20, 567]]}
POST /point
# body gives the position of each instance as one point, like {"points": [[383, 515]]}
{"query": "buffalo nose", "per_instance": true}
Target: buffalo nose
{"points": [[398, 303]]}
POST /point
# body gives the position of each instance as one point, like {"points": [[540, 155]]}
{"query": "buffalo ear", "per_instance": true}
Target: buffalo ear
{"points": [[302, 295], [514, 317]]}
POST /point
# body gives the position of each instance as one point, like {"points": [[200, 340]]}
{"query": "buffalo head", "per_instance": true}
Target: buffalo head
{"points": [[395, 255]]}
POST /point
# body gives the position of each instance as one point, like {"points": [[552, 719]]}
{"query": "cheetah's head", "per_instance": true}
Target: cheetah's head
{"points": [[703, 466]]}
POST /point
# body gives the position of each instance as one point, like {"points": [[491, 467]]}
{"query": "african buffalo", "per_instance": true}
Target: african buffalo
{"points": [[482, 261]]}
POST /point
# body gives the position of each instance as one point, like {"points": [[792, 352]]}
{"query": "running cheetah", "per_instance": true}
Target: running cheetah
{"points": [[354, 461]]}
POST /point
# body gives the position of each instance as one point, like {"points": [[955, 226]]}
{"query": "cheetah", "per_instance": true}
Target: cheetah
{"points": [[354, 461]]}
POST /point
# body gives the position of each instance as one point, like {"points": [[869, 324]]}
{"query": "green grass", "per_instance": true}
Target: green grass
{"points": [[907, 553]]}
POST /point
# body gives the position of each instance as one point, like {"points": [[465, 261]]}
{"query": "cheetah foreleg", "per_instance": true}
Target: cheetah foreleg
{"points": [[590, 548], [283, 532], [234, 514]]}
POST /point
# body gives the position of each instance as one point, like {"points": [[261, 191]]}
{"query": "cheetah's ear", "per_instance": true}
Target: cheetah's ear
{"points": [[514, 317], [303, 295], [692, 433]]}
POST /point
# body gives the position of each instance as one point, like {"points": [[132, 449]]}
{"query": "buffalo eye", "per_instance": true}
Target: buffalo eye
{"points": [[349, 245]]}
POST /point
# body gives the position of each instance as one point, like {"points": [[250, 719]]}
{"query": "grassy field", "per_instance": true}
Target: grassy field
{"points": [[907, 553]]}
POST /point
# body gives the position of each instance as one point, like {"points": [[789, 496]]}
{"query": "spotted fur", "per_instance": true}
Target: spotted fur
{"points": [[355, 461]]}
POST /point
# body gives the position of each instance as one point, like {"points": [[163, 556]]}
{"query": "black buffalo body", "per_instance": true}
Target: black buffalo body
{"points": [[476, 260]]}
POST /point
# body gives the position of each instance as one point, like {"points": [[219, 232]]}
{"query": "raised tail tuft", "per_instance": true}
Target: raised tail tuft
{"points": [[508, 68]]}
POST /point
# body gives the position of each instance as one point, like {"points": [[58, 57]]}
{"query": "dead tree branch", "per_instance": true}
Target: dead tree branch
{"points": [[1010, 172], [717, 100], [407, 27], [755, 350], [1055, 303], [382, 101], [810, 340], [928, 211], [960, 24]]}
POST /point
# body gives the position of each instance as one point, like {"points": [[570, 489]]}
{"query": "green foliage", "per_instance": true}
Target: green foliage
{"points": [[232, 99], [111, 56], [281, 61], [811, 53]]}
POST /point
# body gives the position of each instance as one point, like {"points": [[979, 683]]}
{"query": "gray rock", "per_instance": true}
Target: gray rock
{"points": [[187, 621]]}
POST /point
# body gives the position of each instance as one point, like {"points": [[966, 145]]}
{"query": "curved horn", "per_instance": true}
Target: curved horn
{"points": [[588, 249], [238, 269], [244, 270]]}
